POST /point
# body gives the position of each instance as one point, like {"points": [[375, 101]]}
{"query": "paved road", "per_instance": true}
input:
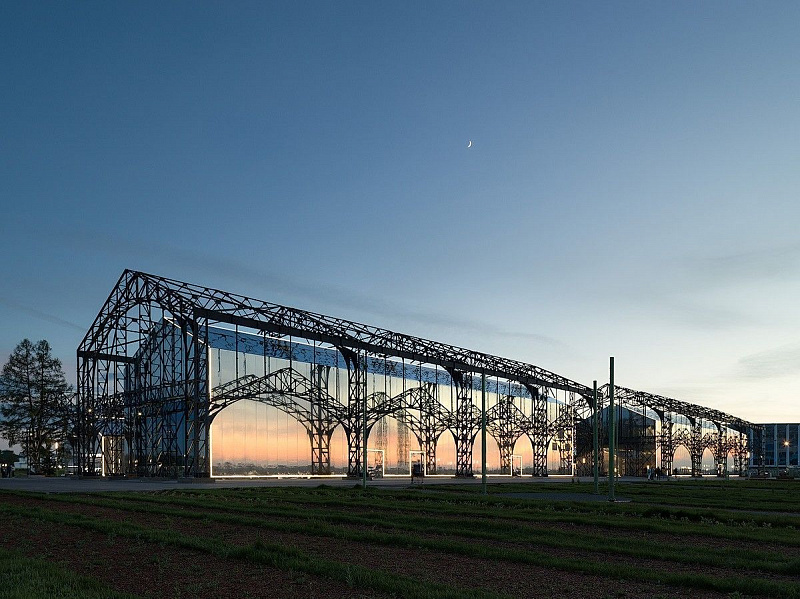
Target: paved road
{"points": [[88, 485], [73, 484]]}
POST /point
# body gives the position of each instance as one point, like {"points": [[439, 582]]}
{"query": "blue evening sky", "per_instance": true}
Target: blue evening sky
{"points": [[631, 190]]}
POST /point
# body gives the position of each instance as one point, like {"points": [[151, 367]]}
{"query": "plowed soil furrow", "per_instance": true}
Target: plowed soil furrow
{"points": [[466, 572], [608, 535], [154, 570]]}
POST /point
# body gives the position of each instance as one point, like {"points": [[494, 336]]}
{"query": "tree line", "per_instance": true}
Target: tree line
{"points": [[37, 406]]}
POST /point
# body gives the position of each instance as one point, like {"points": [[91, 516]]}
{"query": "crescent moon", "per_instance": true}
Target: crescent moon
{"points": [[469, 145]]}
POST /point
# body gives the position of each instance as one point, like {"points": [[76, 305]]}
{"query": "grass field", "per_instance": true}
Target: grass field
{"points": [[673, 539]]}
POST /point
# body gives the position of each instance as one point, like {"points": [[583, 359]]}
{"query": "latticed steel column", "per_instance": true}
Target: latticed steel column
{"points": [[721, 457], [402, 439], [565, 451], [666, 441], [429, 447], [740, 450], [540, 438], [429, 437], [465, 426], [563, 431], [321, 428], [196, 458], [356, 398], [506, 449], [504, 427], [696, 446], [87, 433]]}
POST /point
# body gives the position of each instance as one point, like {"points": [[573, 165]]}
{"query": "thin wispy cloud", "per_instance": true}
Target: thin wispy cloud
{"points": [[773, 363], [702, 292], [46, 316], [478, 327], [691, 392], [698, 293], [701, 316], [781, 262], [660, 302]]}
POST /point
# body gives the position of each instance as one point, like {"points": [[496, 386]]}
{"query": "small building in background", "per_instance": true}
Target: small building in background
{"points": [[779, 447], [635, 444]]}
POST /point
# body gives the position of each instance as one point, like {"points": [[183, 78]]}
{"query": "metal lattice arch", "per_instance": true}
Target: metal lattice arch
{"points": [[148, 394]]}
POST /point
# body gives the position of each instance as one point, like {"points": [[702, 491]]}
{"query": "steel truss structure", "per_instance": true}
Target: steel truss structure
{"points": [[692, 426], [146, 402]]}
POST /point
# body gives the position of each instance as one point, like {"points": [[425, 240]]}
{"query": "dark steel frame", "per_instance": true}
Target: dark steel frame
{"points": [[143, 382], [147, 384]]}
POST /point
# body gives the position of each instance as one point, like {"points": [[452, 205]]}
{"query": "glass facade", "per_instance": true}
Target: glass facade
{"points": [[269, 435], [779, 442]]}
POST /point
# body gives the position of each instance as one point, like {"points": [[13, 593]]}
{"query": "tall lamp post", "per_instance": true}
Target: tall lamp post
{"points": [[483, 434], [611, 432], [596, 469]]}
